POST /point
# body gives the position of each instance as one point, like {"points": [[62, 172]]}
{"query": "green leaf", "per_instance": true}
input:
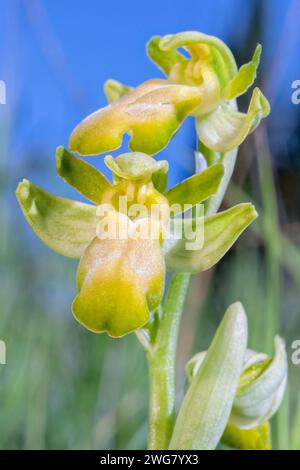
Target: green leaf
{"points": [[135, 165], [206, 407], [258, 438], [226, 128], [196, 189], [244, 78], [65, 226], [220, 232], [84, 177], [114, 90]]}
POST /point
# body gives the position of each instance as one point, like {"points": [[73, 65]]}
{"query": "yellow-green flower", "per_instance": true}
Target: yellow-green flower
{"points": [[121, 274], [204, 85], [211, 67]]}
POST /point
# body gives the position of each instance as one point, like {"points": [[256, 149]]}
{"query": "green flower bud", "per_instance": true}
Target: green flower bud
{"points": [[261, 387], [211, 67]]}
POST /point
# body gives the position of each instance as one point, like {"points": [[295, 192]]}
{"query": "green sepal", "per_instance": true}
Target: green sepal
{"points": [[195, 189], [220, 232], [114, 90], [206, 407], [244, 78], [84, 177], [65, 226]]}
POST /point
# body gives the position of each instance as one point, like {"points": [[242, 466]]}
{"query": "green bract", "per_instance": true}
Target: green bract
{"points": [[206, 406]]}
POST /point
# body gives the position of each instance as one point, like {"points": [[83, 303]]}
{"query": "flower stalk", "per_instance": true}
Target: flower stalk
{"points": [[162, 360]]}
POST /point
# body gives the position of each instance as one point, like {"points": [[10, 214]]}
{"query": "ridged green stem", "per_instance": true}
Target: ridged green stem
{"points": [[161, 359]]}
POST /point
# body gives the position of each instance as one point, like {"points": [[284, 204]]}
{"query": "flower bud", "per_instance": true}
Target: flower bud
{"points": [[261, 387]]}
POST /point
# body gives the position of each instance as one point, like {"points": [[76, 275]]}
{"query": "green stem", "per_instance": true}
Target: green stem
{"points": [[161, 359], [162, 354]]}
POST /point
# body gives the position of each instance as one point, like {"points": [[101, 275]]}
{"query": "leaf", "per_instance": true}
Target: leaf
{"points": [[206, 406], [220, 232], [150, 114], [195, 189], [65, 226], [226, 128], [244, 78], [258, 438], [135, 165], [84, 177], [115, 90]]}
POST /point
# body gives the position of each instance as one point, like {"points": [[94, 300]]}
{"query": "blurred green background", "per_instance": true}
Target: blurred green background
{"points": [[66, 388]]}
